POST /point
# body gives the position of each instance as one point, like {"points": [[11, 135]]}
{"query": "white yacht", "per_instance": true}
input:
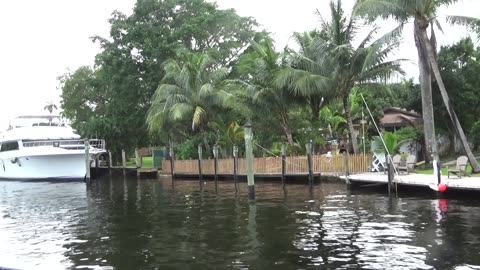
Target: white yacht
{"points": [[44, 148]]}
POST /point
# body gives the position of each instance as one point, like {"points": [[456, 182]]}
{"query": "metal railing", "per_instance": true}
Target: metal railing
{"points": [[67, 144]]}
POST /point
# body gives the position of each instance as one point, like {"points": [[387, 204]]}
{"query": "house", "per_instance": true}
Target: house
{"points": [[396, 118]]}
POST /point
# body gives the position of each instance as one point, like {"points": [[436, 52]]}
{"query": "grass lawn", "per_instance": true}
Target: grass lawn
{"points": [[444, 171], [147, 162]]}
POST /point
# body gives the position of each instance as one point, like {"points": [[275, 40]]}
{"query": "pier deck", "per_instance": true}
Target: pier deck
{"points": [[413, 179]]}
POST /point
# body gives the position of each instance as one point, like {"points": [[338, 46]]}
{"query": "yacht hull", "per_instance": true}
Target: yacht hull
{"points": [[61, 167]]}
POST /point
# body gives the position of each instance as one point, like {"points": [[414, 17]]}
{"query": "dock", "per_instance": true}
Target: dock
{"points": [[416, 180]]}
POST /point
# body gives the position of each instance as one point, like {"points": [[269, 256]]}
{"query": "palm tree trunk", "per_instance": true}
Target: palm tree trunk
{"points": [[286, 129], [427, 104], [443, 91], [346, 108]]}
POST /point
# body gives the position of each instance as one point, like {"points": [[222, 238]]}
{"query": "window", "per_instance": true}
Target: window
{"points": [[9, 146]]}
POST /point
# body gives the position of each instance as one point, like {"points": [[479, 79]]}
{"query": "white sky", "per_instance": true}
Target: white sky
{"points": [[42, 39]]}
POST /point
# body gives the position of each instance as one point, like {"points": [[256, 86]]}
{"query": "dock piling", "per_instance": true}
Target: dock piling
{"points": [[110, 162], [215, 164], [309, 163], [249, 154], [284, 163], [124, 162], [138, 159], [172, 162], [235, 166], [200, 176], [87, 161]]}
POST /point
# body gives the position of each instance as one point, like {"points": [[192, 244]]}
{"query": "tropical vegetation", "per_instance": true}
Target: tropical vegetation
{"points": [[183, 72]]}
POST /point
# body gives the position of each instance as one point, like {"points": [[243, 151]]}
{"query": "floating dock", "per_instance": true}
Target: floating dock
{"points": [[416, 180]]}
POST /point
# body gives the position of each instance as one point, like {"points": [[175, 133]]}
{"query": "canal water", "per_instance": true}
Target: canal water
{"points": [[151, 224]]}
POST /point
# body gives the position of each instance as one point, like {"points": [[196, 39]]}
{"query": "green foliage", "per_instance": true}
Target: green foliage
{"points": [[409, 133], [475, 134], [391, 143], [128, 70], [188, 149], [460, 67]]}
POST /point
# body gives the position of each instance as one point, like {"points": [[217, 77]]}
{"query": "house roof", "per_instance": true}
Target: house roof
{"points": [[397, 117]]}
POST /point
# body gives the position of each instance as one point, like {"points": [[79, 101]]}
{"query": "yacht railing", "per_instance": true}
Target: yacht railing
{"points": [[67, 144]]}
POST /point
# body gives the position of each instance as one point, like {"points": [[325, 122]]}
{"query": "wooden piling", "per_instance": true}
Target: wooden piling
{"points": [[172, 162], [110, 165], [390, 174], [87, 161], [308, 146], [345, 163], [215, 164], [138, 162], [200, 176], [284, 163], [124, 162], [235, 166], [249, 156]]}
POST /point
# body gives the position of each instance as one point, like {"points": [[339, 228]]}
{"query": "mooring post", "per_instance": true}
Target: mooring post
{"points": [[215, 163], [235, 166], [124, 161], [308, 146], [172, 162], [345, 163], [137, 159], [87, 161], [200, 176], [389, 172], [284, 163], [249, 155], [110, 162]]}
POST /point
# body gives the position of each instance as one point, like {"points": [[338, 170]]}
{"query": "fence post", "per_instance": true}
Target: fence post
{"points": [[87, 161], [172, 162], [215, 163], [309, 163], [249, 154], [200, 150], [235, 166], [124, 161], [284, 163]]}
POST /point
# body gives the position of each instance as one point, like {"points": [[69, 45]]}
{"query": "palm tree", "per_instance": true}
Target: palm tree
{"points": [[259, 68], [424, 15], [189, 90], [308, 73], [354, 66], [50, 106]]}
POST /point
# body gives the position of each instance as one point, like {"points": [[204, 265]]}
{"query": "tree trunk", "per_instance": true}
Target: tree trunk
{"points": [[286, 129], [427, 103], [353, 139], [456, 124]]}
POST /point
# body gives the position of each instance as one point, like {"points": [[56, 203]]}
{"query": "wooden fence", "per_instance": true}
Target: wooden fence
{"points": [[273, 165]]}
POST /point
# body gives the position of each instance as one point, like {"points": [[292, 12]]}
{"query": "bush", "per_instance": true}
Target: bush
{"points": [[475, 134]]}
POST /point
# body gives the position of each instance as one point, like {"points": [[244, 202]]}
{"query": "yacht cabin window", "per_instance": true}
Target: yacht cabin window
{"points": [[9, 146]]}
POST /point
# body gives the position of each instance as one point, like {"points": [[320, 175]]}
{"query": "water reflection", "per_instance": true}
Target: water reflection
{"points": [[122, 223]]}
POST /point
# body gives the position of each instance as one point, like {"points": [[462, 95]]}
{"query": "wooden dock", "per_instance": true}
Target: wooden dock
{"points": [[416, 180]]}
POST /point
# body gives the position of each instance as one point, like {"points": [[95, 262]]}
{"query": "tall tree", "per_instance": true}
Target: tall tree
{"points": [[424, 14], [354, 65], [128, 69], [308, 73], [189, 91], [259, 68]]}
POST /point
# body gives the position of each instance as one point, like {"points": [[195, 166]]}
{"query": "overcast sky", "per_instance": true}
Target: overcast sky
{"points": [[41, 40]]}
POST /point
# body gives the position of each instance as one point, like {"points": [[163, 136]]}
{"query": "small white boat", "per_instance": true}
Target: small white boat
{"points": [[44, 148]]}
